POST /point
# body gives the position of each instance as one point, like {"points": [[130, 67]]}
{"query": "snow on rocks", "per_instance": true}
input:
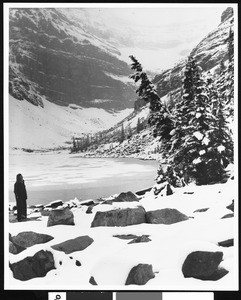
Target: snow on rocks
{"points": [[29, 238], [120, 217], [61, 216], [117, 249], [204, 265], [165, 216], [77, 244], [36, 266], [140, 274]]}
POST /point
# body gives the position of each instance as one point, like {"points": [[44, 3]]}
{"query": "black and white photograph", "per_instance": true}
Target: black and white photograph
{"points": [[120, 147]]}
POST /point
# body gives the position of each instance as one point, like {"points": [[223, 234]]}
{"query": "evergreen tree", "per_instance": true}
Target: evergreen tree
{"points": [[181, 153], [122, 134], [201, 145], [159, 116], [74, 144]]}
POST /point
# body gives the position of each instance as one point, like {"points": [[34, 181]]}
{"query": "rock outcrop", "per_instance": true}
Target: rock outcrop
{"points": [[29, 238], [33, 266], [123, 197], [226, 243], [73, 245], [165, 216], [140, 275], [63, 62], [204, 265], [120, 217], [227, 14], [60, 217]]}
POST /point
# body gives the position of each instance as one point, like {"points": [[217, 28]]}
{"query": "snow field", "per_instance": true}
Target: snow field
{"points": [[109, 259], [37, 128]]}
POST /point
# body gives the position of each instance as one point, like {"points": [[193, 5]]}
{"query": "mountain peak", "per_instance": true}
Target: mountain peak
{"points": [[227, 13]]}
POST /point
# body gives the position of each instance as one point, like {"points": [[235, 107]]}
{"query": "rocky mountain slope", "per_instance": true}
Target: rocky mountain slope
{"points": [[52, 54], [209, 54]]}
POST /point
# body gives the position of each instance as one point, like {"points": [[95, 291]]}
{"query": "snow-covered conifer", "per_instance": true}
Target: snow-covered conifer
{"points": [[159, 117]]}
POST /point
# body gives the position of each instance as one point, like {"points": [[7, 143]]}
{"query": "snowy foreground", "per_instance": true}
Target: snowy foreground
{"points": [[109, 259]]}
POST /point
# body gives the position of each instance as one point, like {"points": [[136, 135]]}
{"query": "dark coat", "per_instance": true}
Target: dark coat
{"points": [[21, 197]]}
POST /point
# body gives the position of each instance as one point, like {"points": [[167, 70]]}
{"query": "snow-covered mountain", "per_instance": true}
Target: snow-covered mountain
{"points": [[209, 53], [68, 72], [53, 54]]}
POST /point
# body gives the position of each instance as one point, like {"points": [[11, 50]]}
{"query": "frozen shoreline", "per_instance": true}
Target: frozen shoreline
{"points": [[109, 259]]}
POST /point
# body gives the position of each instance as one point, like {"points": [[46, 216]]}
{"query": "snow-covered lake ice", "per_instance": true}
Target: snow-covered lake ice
{"points": [[64, 176]]}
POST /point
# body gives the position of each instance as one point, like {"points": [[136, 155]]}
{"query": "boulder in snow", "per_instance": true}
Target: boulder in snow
{"points": [[92, 281], [33, 266], [120, 217], [228, 216], [73, 245], [123, 197], [204, 265], [231, 206], [226, 243], [15, 249], [60, 216], [140, 275], [165, 216], [201, 210], [140, 239], [29, 238], [126, 236]]}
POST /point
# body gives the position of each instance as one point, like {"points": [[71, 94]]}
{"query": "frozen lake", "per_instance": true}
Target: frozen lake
{"points": [[54, 176]]}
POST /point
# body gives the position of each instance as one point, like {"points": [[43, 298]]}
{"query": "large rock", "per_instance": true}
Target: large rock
{"points": [[73, 245], [120, 217], [60, 216], [204, 265], [15, 249], [140, 275], [29, 238], [123, 197], [33, 266], [165, 216]]}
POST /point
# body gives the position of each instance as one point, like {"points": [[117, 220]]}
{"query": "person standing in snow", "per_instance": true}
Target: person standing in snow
{"points": [[21, 197]]}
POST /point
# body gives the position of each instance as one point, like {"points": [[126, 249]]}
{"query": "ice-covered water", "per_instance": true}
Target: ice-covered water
{"points": [[53, 176]]}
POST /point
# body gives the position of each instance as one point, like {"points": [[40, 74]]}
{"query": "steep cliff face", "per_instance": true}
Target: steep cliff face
{"points": [[208, 53], [52, 55]]}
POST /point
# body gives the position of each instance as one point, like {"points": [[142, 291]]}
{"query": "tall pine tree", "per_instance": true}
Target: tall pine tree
{"points": [[159, 117]]}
